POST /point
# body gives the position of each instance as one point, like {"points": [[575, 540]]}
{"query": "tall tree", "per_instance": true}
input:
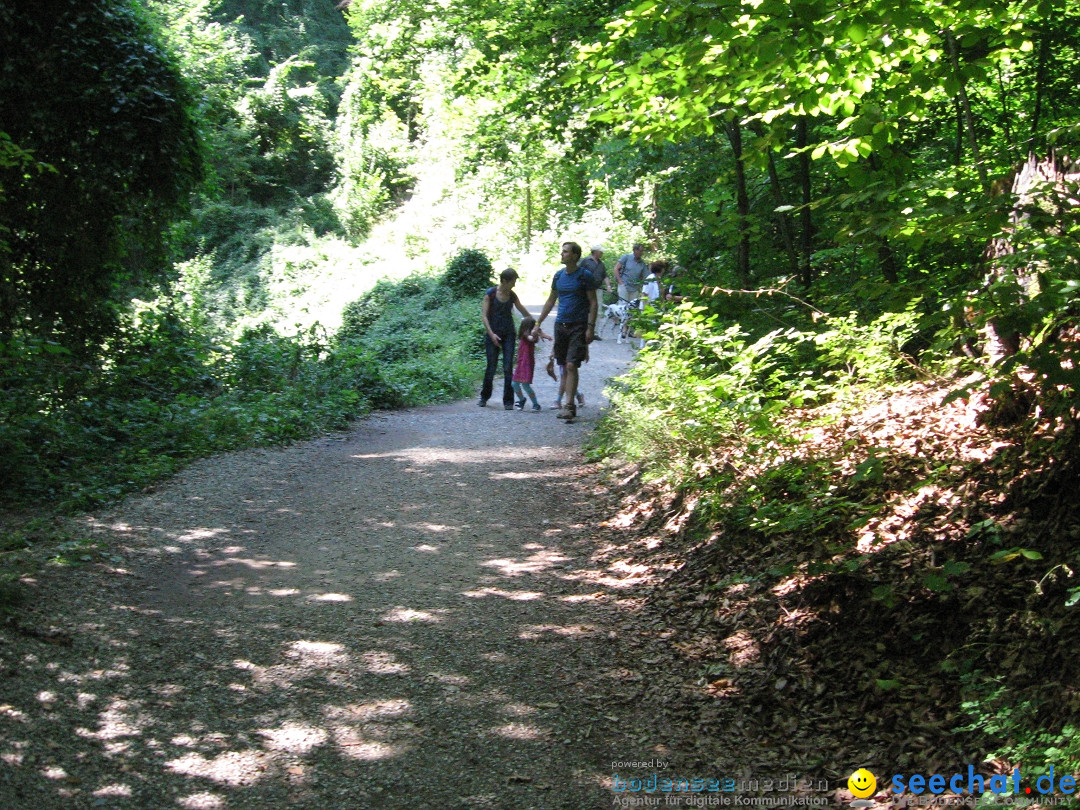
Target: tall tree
{"points": [[877, 79], [90, 94]]}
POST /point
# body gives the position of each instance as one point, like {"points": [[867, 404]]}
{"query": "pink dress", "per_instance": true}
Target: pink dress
{"points": [[523, 370]]}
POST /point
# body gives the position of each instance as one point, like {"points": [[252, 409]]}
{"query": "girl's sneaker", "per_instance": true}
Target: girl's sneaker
{"points": [[537, 407], [520, 404]]}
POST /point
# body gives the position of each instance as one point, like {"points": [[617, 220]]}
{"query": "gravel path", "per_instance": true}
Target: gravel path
{"points": [[404, 616]]}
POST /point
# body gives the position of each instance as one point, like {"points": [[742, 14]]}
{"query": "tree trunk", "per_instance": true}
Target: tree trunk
{"points": [[1040, 83], [528, 212], [887, 259], [1006, 114], [958, 148], [742, 205], [806, 231], [783, 219], [1039, 183], [654, 213], [965, 105]]}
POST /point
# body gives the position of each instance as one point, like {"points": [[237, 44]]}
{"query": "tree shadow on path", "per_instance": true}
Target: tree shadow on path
{"points": [[405, 616]]}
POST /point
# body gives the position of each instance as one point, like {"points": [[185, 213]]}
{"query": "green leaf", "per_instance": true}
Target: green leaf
{"points": [[884, 594], [956, 567], [856, 32], [1009, 554], [869, 470], [957, 393], [936, 582]]}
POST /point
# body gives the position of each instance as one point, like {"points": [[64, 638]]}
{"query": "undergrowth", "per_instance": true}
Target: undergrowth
{"points": [[170, 387], [864, 553]]}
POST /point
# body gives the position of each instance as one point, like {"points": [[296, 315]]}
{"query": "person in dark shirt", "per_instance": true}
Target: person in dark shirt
{"points": [[594, 263], [497, 311]]}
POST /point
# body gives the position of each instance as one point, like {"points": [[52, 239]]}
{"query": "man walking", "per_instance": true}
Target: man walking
{"points": [[575, 290], [630, 272], [594, 263]]}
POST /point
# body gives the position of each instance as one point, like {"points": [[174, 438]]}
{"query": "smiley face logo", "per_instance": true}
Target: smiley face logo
{"points": [[862, 784]]}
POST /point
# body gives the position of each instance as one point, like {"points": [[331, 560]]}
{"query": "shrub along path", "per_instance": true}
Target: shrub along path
{"points": [[404, 616]]}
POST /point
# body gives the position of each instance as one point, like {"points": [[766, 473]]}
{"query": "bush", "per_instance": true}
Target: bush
{"points": [[1021, 722], [701, 384], [358, 316], [468, 274], [386, 299], [415, 341], [367, 376], [77, 434]]}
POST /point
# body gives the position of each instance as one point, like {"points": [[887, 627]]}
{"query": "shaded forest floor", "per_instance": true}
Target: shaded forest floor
{"points": [[908, 607]]}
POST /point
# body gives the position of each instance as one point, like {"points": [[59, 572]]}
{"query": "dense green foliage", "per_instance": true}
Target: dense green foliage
{"points": [[468, 274], [701, 385], [420, 342], [84, 434], [102, 121]]}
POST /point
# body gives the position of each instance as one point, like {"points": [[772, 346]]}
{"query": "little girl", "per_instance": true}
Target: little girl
{"points": [[526, 361]]}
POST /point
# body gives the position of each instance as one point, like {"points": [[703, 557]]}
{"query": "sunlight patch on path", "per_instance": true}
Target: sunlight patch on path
{"points": [[233, 768], [401, 614], [535, 564], [517, 596], [294, 738]]}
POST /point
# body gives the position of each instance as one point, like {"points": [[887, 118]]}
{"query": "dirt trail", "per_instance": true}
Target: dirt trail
{"points": [[404, 616]]}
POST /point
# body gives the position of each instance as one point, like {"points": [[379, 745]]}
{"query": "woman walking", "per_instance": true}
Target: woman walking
{"points": [[497, 312]]}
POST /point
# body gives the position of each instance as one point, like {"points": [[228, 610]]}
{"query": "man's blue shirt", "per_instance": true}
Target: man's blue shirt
{"points": [[571, 289]]}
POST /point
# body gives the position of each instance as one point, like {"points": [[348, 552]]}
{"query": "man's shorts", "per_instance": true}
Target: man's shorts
{"points": [[570, 345]]}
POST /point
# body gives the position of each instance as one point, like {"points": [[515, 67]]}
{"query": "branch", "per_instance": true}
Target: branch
{"points": [[759, 293]]}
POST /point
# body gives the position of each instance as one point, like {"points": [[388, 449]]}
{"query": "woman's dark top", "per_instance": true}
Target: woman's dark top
{"points": [[501, 313]]}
